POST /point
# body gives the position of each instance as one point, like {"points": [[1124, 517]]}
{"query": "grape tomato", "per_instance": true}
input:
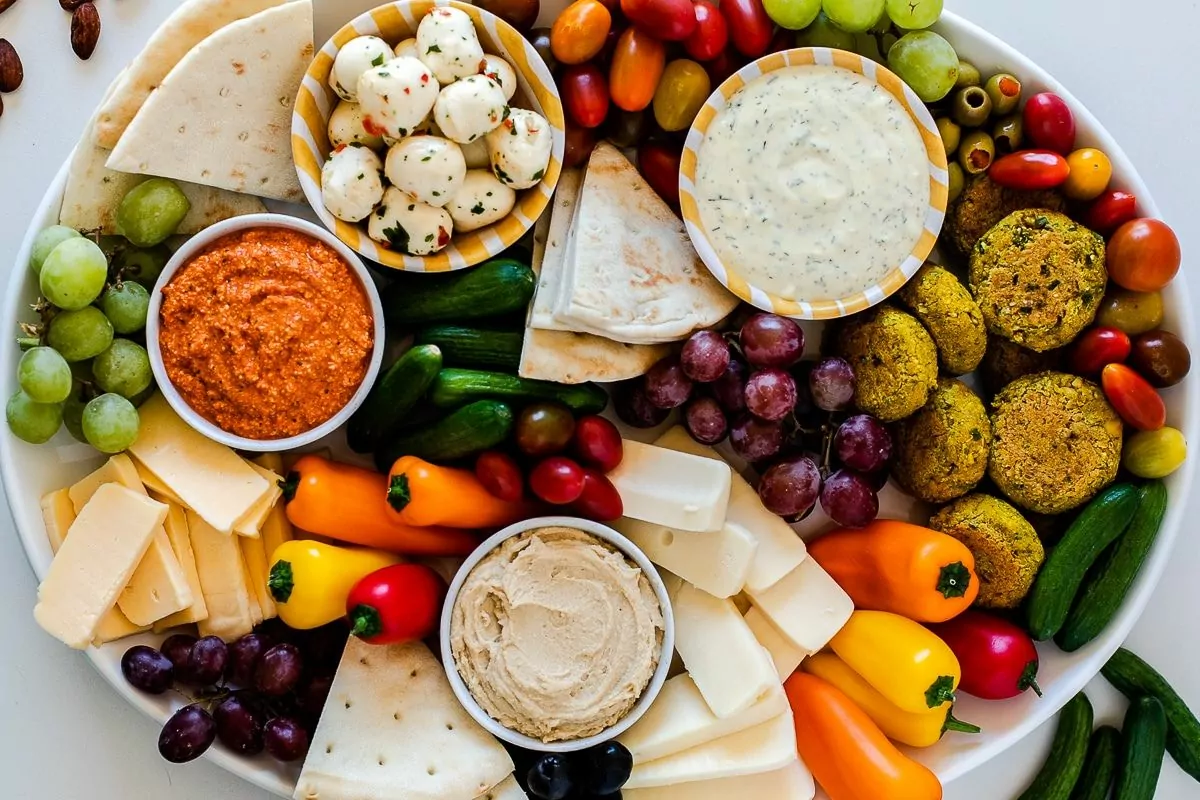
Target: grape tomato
{"points": [[1132, 312], [584, 94], [579, 145], [1030, 170], [1091, 170], [1143, 255], [1161, 357], [638, 61], [750, 28], [1097, 348], [598, 443], [670, 20], [500, 475], [544, 428], [1110, 211], [659, 165], [580, 32], [1049, 123], [557, 480], [626, 128], [711, 34], [599, 501], [680, 94], [724, 64], [1133, 398]]}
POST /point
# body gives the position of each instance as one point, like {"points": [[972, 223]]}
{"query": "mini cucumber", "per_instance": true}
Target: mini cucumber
{"points": [[475, 348], [492, 289], [1058, 776], [393, 396], [1106, 586], [1143, 745], [465, 432], [455, 387], [1134, 678], [1095, 780], [1057, 583]]}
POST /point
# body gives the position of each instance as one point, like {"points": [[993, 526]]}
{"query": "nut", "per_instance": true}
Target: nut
{"points": [[85, 30], [11, 71], [5, 5], [70, 5]]}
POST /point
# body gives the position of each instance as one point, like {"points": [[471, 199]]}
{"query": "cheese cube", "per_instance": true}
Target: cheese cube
{"points": [[677, 490], [252, 521], [793, 782], [181, 543], [763, 748], [679, 719], [103, 547], [715, 562], [787, 656], [730, 668], [807, 606], [222, 578], [254, 552], [780, 549]]}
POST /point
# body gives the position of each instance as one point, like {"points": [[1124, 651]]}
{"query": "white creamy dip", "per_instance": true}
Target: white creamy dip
{"points": [[813, 183]]}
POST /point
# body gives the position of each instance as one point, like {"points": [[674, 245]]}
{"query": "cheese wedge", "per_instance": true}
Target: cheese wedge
{"points": [[251, 522], [209, 478], [793, 782], [102, 548], [670, 488], [219, 565], [254, 552], [807, 606], [679, 719], [507, 789], [785, 655], [181, 542], [763, 748], [715, 562]]}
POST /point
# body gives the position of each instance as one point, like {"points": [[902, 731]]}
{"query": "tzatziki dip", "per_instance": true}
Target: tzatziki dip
{"points": [[812, 183]]}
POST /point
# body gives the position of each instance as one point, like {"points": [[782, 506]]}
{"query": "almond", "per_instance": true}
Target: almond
{"points": [[85, 30], [70, 5], [11, 71]]}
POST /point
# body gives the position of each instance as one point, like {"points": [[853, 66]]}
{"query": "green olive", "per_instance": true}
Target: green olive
{"points": [[1005, 91], [976, 152], [951, 134], [971, 107], [1009, 133], [968, 75], [957, 180]]}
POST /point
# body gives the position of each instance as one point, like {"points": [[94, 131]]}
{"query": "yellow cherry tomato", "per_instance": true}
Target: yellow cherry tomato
{"points": [[680, 95], [1090, 173]]}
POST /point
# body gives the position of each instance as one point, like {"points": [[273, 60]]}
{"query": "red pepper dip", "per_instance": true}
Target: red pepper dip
{"points": [[266, 333]]}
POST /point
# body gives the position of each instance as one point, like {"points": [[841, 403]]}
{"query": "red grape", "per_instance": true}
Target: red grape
{"points": [[634, 408], [790, 487], [832, 384], [770, 394], [187, 734], [239, 726], [244, 655], [863, 443], [705, 420], [705, 356], [769, 340], [666, 384], [849, 499], [206, 662], [756, 439], [279, 670], [147, 669], [730, 388], [177, 647], [312, 695], [598, 443], [557, 480], [285, 738]]}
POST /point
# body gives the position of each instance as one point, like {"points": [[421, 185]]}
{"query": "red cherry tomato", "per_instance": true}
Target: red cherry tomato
{"points": [[725, 64], [557, 480], [500, 475], [998, 659], [1143, 255], [659, 163], [1049, 123], [1133, 397], [1097, 348], [585, 94], [783, 39], [711, 35], [579, 145], [1110, 211], [598, 443], [600, 500], [638, 61], [1030, 169], [669, 20], [749, 26], [400, 603]]}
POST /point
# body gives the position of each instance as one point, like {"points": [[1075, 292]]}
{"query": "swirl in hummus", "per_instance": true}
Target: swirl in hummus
{"points": [[556, 634]]}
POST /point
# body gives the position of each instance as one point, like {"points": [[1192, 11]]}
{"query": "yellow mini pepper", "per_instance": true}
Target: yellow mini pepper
{"points": [[904, 661], [920, 729], [311, 580]]}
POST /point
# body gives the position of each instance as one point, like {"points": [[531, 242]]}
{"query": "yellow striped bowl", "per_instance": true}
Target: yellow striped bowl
{"points": [[938, 184], [393, 23]]}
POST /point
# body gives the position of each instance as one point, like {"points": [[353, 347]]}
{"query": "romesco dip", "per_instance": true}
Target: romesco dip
{"points": [[266, 333]]}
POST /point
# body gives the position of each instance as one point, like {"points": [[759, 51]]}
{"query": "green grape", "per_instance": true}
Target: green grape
{"points": [[853, 16], [792, 14], [110, 423], [913, 15], [143, 264], [74, 273], [73, 416], [45, 242], [44, 375], [31, 421], [151, 211], [124, 368], [823, 33], [80, 335], [926, 62], [126, 305]]}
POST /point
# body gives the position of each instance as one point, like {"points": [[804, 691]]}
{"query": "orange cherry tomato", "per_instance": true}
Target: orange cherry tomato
{"points": [[1133, 398], [637, 65], [580, 31], [680, 94], [1143, 255], [1091, 170]]}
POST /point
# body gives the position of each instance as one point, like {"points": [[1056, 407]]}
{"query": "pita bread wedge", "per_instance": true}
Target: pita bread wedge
{"points": [[393, 730], [631, 272], [222, 117], [567, 356]]}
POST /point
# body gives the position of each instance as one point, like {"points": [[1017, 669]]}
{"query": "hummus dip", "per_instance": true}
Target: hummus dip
{"points": [[556, 634]]}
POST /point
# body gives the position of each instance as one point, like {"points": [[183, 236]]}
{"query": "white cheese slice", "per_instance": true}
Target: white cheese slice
{"points": [[763, 748], [667, 487], [715, 562], [102, 548], [793, 782], [730, 668], [209, 478], [680, 719], [277, 528], [153, 484], [113, 626], [507, 789], [807, 606], [256, 614], [219, 565], [254, 552], [252, 521], [780, 549], [787, 656], [181, 543], [117, 469]]}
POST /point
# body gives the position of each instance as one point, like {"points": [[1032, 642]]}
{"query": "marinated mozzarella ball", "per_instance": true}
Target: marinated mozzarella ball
{"points": [[346, 127], [467, 109], [429, 168], [352, 183], [520, 148], [404, 223], [482, 200], [408, 48], [395, 97], [447, 42], [476, 154], [358, 56], [502, 73]]}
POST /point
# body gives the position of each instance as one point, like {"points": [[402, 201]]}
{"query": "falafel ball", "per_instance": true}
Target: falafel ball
{"points": [[983, 203], [1006, 361], [1008, 553], [1038, 277], [894, 361], [938, 298], [1055, 442], [942, 450]]}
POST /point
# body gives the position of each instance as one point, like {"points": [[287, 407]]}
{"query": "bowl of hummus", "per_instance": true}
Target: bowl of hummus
{"points": [[557, 634]]}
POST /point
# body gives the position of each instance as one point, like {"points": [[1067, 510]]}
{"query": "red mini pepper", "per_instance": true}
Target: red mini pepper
{"points": [[400, 603], [998, 659]]}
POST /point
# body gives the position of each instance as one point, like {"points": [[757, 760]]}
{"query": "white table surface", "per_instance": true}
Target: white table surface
{"points": [[65, 735]]}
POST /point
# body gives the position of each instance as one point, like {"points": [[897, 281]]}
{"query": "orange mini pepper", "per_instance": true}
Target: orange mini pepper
{"points": [[420, 493]]}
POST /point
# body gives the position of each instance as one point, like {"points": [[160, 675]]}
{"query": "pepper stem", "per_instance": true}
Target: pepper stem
{"points": [[289, 485], [940, 691], [398, 495], [280, 581], [954, 580], [364, 621], [1028, 679], [957, 725]]}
